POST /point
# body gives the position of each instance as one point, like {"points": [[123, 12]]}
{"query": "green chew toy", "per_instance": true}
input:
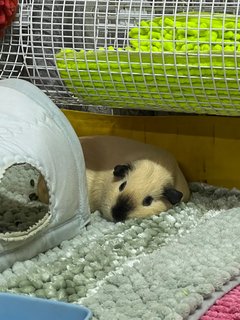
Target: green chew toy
{"points": [[185, 64]]}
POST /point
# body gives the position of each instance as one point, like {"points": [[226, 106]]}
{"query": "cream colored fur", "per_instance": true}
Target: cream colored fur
{"points": [[153, 170], [42, 190]]}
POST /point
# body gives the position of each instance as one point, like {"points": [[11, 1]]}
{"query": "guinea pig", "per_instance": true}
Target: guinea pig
{"points": [[128, 179], [42, 191]]}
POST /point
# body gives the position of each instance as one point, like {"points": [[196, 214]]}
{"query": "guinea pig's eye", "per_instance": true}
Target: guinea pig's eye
{"points": [[122, 186], [147, 201]]}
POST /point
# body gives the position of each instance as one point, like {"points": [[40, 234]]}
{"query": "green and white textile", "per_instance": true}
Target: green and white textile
{"points": [[163, 267]]}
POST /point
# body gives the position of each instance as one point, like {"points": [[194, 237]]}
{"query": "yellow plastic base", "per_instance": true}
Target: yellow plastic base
{"points": [[207, 147]]}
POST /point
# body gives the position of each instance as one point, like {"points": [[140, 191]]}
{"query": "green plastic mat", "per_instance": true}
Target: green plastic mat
{"points": [[177, 63]]}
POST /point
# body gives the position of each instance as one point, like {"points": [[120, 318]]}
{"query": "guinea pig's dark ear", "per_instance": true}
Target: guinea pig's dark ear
{"points": [[172, 195], [121, 170]]}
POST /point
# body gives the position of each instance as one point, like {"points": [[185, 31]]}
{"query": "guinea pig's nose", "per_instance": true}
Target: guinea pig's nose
{"points": [[122, 208], [118, 214]]}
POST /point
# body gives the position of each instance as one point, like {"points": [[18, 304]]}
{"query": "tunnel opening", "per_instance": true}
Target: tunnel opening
{"points": [[20, 210]]}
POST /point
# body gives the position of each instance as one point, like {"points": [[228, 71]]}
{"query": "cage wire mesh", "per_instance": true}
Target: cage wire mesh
{"points": [[172, 55]]}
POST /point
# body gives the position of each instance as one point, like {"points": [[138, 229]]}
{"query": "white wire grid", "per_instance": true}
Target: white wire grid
{"points": [[111, 53]]}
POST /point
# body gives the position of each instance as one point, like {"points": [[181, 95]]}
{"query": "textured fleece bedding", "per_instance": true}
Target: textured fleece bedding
{"points": [[170, 266]]}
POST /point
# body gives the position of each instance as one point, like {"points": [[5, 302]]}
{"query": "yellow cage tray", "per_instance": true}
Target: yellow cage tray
{"points": [[179, 63], [207, 148]]}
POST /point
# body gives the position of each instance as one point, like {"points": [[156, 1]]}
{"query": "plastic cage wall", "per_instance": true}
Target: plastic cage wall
{"points": [[181, 56]]}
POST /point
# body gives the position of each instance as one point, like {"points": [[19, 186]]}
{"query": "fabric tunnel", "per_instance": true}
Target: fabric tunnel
{"points": [[35, 133]]}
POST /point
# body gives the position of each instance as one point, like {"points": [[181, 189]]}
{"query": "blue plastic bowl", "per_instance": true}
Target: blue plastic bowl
{"points": [[18, 307]]}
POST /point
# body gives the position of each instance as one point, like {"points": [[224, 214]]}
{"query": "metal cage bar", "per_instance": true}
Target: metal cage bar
{"points": [[169, 55]]}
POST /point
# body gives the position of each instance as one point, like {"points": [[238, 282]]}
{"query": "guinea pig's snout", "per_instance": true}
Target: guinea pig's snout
{"points": [[122, 208]]}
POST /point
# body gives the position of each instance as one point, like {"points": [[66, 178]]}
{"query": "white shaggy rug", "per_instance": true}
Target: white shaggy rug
{"points": [[170, 266]]}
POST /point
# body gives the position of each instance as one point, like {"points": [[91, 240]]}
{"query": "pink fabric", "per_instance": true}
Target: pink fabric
{"points": [[225, 308], [8, 9]]}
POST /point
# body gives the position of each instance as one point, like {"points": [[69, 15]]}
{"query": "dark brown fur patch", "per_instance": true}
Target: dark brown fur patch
{"points": [[121, 170], [121, 209], [33, 197], [172, 195]]}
